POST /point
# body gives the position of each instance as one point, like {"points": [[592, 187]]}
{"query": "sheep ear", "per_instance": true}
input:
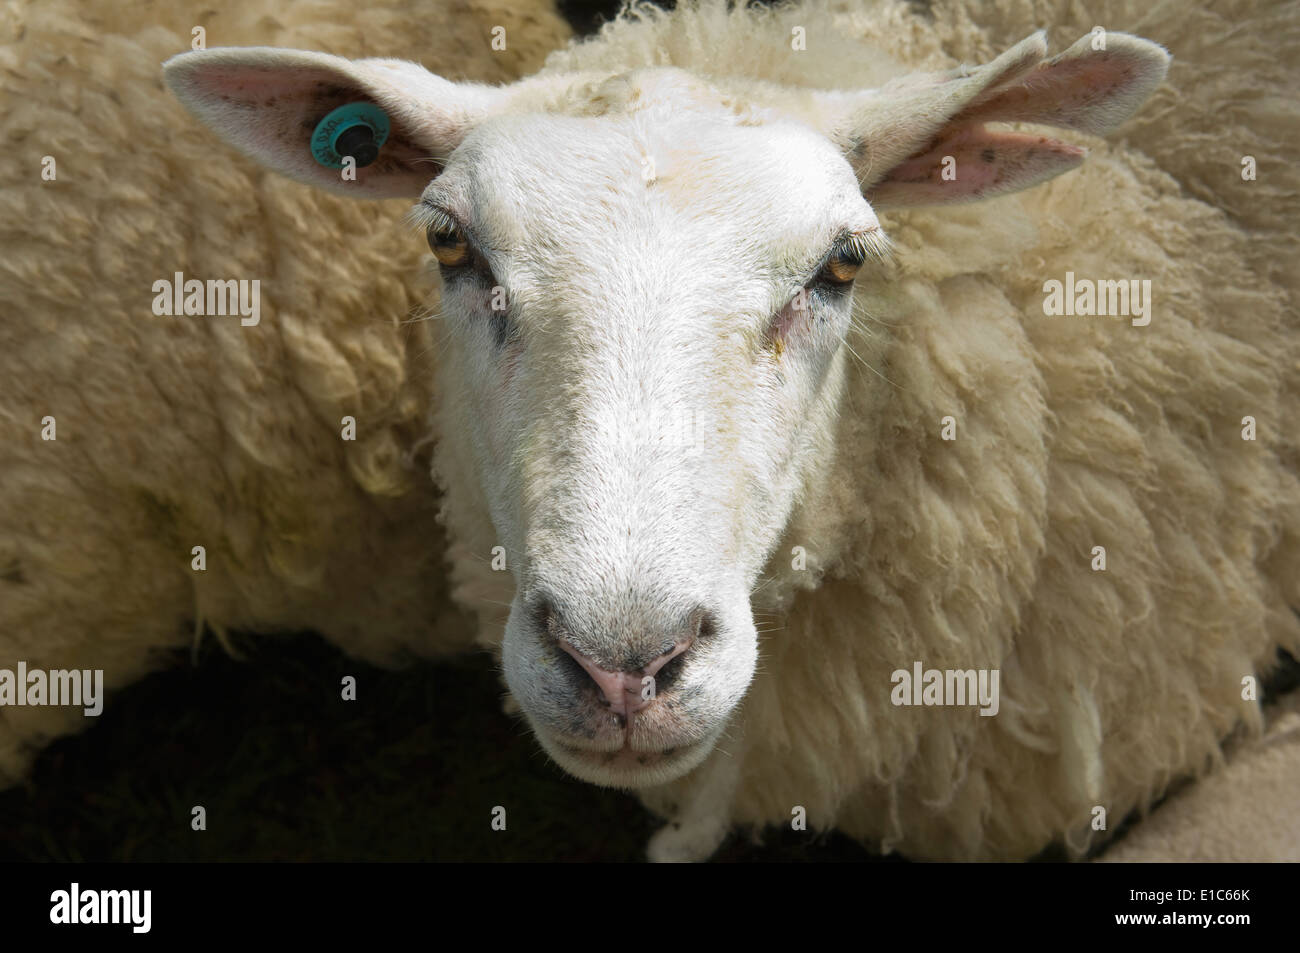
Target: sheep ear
{"points": [[922, 140], [269, 103]]}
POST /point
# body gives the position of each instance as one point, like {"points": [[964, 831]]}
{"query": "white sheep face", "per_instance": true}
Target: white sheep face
{"points": [[647, 288], [644, 401]]}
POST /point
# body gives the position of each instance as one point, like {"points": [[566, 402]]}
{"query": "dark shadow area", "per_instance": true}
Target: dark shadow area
{"points": [[288, 770], [587, 16]]}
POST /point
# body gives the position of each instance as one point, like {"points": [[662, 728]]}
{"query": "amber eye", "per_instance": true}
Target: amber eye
{"points": [[448, 246], [843, 266]]}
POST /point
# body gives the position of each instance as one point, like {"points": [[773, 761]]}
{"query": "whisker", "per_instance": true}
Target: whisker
{"points": [[870, 368]]}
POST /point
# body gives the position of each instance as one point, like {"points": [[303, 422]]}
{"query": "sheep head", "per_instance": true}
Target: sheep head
{"points": [[647, 286]]}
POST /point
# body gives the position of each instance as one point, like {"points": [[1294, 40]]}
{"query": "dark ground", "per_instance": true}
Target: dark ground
{"points": [[287, 770]]}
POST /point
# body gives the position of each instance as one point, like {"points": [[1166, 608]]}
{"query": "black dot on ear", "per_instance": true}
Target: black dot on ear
{"points": [[357, 129], [987, 155], [358, 142]]}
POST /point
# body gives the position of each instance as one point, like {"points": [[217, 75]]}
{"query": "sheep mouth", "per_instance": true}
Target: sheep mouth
{"points": [[625, 754], [626, 767]]}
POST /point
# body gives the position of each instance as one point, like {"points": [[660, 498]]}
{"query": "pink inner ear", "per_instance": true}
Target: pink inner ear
{"points": [[271, 107], [271, 111], [984, 164], [1073, 93], [251, 86]]}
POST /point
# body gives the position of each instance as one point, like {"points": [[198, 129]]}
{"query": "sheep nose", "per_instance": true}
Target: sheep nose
{"points": [[627, 691]]}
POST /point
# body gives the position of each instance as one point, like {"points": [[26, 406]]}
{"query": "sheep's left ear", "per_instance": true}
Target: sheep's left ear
{"points": [[922, 140], [290, 109]]}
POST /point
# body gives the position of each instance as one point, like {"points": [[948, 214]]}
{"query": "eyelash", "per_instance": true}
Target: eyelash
{"points": [[849, 252]]}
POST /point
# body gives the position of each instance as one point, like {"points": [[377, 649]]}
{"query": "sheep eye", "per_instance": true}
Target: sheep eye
{"points": [[842, 266], [448, 245]]}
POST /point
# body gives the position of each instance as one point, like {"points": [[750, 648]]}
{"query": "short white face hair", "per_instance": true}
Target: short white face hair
{"points": [[647, 286]]}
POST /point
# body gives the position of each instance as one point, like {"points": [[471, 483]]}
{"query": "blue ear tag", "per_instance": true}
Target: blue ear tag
{"points": [[357, 130]]}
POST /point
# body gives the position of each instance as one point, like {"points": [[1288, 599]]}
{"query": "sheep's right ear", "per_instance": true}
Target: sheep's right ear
{"points": [[269, 103]]}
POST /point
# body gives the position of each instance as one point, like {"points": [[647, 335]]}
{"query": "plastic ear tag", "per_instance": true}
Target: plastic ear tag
{"points": [[358, 130]]}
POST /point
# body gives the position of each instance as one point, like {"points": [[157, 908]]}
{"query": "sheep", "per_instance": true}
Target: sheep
{"points": [[735, 380]]}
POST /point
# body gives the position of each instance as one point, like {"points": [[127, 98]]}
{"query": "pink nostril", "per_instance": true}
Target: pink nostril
{"points": [[625, 691]]}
